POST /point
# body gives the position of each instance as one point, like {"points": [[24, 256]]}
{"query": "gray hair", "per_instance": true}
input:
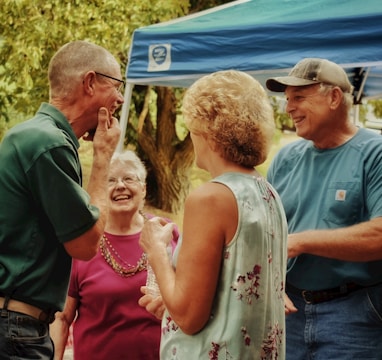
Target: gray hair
{"points": [[131, 160], [347, 100]]}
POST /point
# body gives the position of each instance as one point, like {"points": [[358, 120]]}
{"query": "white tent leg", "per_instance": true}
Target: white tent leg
{"points": [[125, 115], [356, 114]]}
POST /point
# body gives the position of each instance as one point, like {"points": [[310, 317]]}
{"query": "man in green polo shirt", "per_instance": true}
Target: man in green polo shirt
{"points": [[46, 217]]}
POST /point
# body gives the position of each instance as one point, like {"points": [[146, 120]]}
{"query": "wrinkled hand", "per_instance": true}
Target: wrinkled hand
{"points": [[106, 136], [289, 306], [154, 306], [156, 234]]}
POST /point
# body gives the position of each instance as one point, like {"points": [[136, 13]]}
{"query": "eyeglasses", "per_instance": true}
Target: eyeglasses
{"points": [[113, 78], [127, 180]]}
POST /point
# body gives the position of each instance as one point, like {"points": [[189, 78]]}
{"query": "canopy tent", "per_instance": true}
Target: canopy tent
{"points": [[263, 38]]}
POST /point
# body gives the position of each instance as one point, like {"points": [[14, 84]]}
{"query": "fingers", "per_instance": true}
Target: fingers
{"points": [[104, 118], [160, 223], [144, 290], [89, 136], [114, 122], [154, 306], [144, 300], [289, 306], [154, 232]]}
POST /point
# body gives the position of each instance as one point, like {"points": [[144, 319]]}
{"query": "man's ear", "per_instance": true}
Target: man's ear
{"points": [[89, 82], [336, 97]]}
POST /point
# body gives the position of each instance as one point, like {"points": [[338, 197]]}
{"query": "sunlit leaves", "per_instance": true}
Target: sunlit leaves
{"points": [[32, 31]]}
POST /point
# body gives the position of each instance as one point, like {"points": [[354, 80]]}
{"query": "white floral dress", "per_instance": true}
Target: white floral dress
{"points": [[247, 319]]}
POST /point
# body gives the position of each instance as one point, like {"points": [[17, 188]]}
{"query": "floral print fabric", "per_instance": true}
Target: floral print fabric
{"points": [[247, 320]]}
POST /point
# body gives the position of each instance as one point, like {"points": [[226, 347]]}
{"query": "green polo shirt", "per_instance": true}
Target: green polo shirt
{"points": [[42, 205]]}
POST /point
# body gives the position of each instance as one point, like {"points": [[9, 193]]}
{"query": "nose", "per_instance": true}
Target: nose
{"points": [[120, 183], [288, 105], [121, 98]]}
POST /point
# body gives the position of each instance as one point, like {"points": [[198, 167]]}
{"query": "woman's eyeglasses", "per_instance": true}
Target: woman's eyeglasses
{"points": [[127, 180]]}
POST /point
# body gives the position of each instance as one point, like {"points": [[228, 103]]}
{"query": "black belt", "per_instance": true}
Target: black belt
{"points": [[315, 297], [7, 304]]}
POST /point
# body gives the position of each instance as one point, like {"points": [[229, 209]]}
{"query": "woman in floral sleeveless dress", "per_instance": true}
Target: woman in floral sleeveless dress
{"points": [[224, 294]]}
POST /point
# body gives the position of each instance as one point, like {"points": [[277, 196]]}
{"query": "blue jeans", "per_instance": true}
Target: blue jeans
{"points": [[22, 337], [347, 328]]}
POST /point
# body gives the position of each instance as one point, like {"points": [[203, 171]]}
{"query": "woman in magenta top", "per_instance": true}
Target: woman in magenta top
{"points": [[103, 295]]}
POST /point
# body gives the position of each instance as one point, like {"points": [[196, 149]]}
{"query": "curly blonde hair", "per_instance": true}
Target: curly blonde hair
{"points": [[232, 110]]}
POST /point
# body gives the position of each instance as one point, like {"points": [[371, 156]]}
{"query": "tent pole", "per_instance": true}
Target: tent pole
{"points": [[360, 91], [125, 115], [356, 114]]}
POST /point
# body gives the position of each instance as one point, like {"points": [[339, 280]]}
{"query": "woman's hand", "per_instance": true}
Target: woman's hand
{"points": [[154, 306], [156, 235]]}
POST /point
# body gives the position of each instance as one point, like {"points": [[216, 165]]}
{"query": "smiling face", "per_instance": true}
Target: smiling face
{"points": [[310, 110], [126, 191]]}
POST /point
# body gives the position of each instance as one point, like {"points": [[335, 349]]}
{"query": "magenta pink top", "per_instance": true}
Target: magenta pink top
{"points": [[110, 323]]}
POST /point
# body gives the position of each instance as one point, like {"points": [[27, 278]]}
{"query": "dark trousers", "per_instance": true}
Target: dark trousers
{"points": [[22, 337]]}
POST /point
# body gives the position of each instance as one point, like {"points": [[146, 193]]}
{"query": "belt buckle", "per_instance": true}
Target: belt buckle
{"points": [[307, 295]]}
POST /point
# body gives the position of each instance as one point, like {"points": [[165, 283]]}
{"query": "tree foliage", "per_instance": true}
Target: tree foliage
{"points": [[282, 120], [32, 31], [377, 107], [168, 155]]}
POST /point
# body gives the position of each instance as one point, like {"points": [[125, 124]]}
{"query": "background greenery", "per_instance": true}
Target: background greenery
{"points": [[32, 31]]}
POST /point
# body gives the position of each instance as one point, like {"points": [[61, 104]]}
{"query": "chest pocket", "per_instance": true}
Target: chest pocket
{"points": [[344, 203]]}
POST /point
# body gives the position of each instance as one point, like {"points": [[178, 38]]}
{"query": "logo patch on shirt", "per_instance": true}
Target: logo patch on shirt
{"points": [[340, 195]]}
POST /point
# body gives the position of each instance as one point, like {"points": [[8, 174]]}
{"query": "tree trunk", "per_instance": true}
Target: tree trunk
{"points": [[169, 159]]}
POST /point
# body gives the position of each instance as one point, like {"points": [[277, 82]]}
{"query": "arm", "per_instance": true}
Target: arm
{"points": [[360, 242], [59, 329], [105, 141], [210, 221]]}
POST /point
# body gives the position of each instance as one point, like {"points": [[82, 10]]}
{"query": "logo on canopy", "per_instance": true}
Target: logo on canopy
{"points": [[159, 57]]}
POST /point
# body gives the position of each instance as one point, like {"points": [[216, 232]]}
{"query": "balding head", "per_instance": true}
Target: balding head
{"points": [[71, 62]]}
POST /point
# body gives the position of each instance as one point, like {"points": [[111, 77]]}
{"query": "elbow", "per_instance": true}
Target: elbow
{"points": [[190, 316], [191, 326], [86, 256], [86, 253], [189, 331], [84, 247]]}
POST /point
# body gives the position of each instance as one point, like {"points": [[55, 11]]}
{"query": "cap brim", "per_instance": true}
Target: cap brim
{"points": [[278, 84]]}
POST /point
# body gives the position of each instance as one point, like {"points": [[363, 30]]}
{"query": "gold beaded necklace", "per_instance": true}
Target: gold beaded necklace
{"points": [[122, 270]]}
